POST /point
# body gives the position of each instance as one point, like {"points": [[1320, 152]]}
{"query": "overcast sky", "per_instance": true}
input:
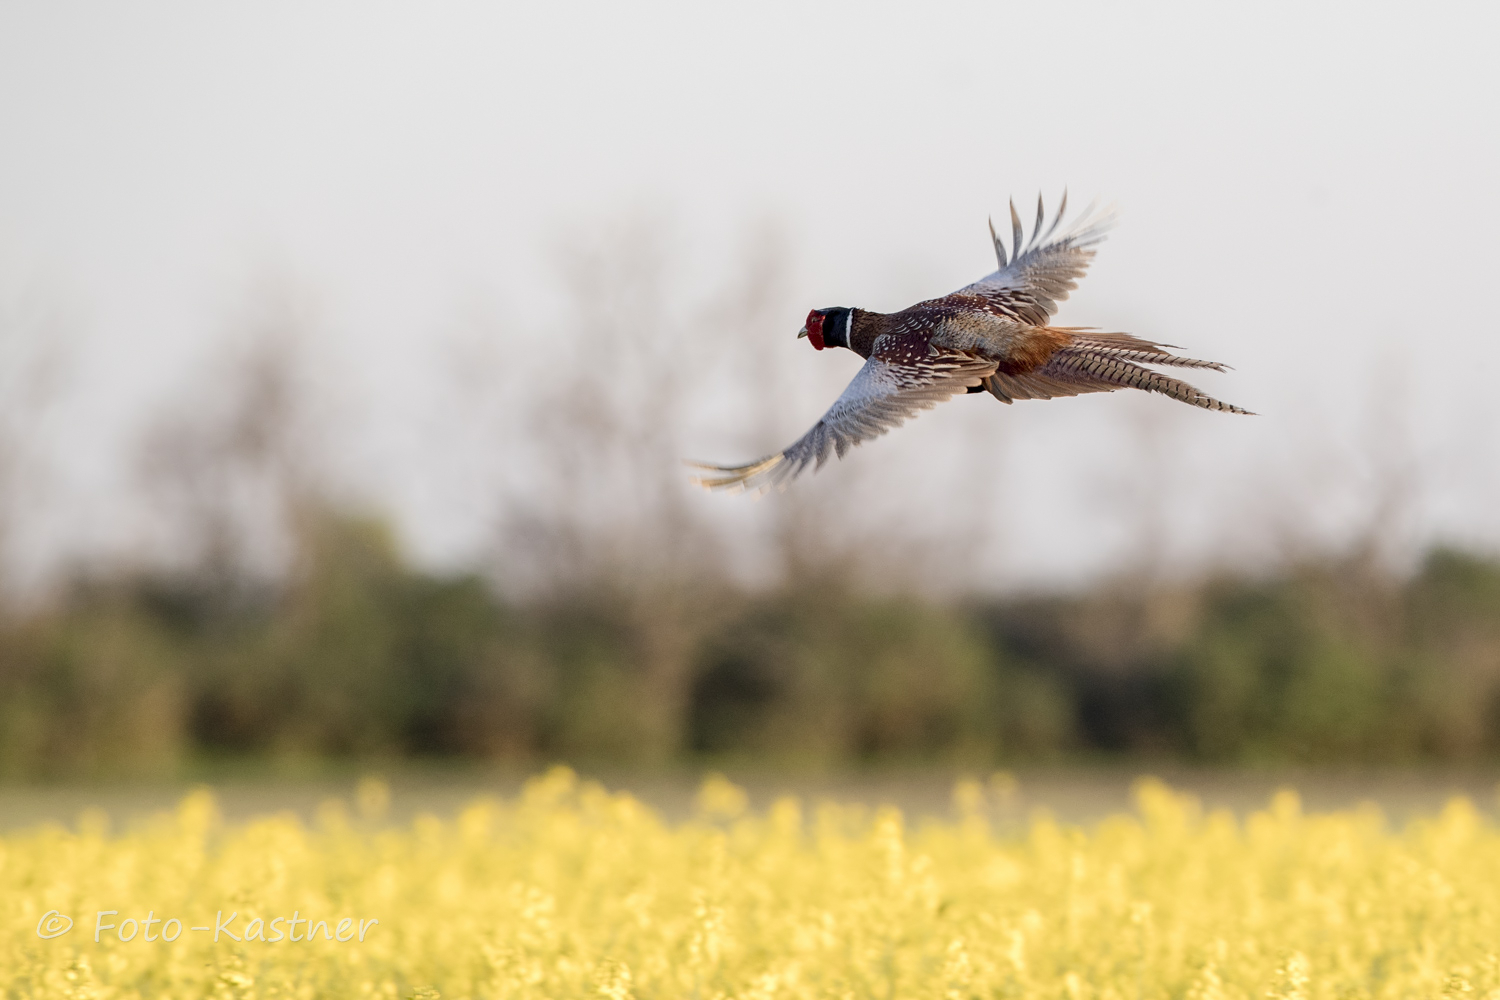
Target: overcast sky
{"points": [[1306, 192]]}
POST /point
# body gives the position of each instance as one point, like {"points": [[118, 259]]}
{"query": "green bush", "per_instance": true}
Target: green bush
{"points": [[356, 655]]}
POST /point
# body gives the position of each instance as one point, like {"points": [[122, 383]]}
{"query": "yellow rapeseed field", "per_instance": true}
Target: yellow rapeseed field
{"points": [[573, 892]]}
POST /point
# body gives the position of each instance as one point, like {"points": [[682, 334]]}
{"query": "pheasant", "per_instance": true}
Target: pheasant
{"points": [[992, 336]]}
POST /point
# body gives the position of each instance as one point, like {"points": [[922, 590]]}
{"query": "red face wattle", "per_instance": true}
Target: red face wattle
{"points": [[815, 329]]}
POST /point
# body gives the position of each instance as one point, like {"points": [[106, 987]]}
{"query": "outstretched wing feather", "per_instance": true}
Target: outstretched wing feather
{"points": [[1035, 280], [882, 396]]}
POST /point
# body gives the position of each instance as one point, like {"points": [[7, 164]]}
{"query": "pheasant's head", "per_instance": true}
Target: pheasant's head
{"points": [[828, 327]]}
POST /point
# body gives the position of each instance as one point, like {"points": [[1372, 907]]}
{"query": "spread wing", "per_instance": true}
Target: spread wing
{"points": [[1041, 273], [898, 380]]}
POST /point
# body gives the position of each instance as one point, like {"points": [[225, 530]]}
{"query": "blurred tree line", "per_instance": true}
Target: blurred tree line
{"points": [[260, 618], [360, 656]]}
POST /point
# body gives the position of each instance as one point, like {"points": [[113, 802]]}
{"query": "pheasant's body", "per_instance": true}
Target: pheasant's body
{"points": [[957, 323], [993, 335]]}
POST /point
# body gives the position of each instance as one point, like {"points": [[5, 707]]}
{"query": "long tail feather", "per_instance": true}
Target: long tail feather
{"points": [[1130, 348], [1152, 357], [1110, 369]]}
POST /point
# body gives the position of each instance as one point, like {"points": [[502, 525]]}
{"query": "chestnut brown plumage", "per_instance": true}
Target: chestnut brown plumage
{"points": [[993, 335]]}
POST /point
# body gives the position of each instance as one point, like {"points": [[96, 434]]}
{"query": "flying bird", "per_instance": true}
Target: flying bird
{"points": [[992, 336]]}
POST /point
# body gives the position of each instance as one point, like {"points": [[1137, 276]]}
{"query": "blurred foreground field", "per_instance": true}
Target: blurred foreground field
{"points": [[568, 890]]}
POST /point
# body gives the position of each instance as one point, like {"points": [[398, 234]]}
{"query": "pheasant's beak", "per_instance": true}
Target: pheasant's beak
{"points": [[802, 333]]}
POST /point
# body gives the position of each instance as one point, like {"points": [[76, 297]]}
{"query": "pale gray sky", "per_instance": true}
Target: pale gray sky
{"points": [[1307, 192]]}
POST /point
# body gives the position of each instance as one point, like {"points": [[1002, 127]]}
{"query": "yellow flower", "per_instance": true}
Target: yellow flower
{"points": [[570, 891]]}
